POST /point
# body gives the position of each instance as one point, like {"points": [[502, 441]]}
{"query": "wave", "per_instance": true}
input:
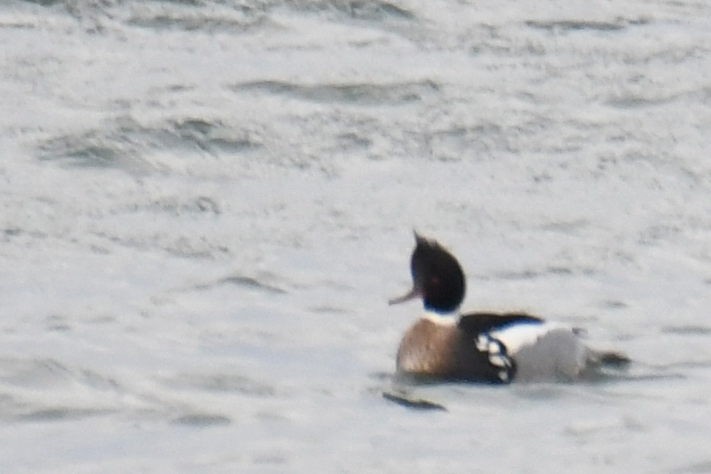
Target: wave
{"points": [[127, 145]]}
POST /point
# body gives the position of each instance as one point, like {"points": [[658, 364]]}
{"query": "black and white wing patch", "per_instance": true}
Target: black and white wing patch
{"points": [[497, 355]]}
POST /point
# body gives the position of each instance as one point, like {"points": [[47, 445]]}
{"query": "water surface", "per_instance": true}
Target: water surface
{"points": [[206, 205]]}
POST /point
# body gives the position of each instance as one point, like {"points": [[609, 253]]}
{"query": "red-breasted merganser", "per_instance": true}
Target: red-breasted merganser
{"points": [[483, 347]]}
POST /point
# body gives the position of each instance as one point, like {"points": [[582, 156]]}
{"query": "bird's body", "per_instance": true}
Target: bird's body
{"points": [[482, 347]]}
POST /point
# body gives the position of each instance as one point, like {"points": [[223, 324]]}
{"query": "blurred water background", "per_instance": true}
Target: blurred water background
{"points": [[205, 205]]}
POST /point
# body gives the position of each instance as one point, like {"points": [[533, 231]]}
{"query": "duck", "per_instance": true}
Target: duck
{"points": [[486, 347]]}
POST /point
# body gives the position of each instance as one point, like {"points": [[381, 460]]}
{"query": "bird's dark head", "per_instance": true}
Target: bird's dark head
{"points": [[436, 275]]}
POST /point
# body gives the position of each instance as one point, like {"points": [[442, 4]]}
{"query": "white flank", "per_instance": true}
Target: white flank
{"points": [[519, 335]]}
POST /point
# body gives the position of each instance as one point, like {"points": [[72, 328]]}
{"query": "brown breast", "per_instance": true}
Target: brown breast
{"points": [[429, 349], [447, 351]]}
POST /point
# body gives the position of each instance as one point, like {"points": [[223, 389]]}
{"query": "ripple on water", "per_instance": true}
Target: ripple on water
{"points": [[244, 281], [46, 373], [220, 382], [201, 420], [372, 11], [250, 282], [215, 19], [125, 144], [565, 26], [60, 414], [687, 330], [90, 149], [34, 372], [46, 390], [348, 93]]}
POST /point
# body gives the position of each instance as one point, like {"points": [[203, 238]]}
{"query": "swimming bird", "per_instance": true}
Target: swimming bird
{"points": [[483, 347]]}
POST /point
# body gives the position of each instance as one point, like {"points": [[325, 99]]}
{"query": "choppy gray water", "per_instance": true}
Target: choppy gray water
{"points": [[205, 206]]}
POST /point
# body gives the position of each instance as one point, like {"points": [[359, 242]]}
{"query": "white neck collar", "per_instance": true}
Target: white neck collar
{"points": [[445, 319]]}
